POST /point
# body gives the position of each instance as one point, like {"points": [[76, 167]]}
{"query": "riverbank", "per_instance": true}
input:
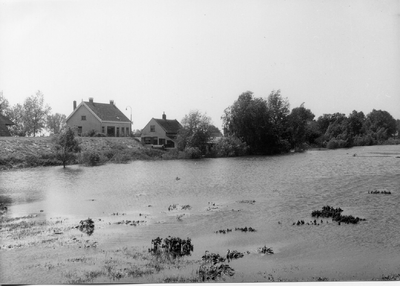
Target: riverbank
{"points": [[25, 152]]}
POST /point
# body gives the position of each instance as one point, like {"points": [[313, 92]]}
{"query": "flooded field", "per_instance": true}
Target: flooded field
{"points": [[197, 198]]}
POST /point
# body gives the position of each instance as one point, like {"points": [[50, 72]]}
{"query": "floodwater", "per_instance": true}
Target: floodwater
{"points": [[285, 189]]}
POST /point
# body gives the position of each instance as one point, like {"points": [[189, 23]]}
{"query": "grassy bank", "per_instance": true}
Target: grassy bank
{"points": [[25, 152]]}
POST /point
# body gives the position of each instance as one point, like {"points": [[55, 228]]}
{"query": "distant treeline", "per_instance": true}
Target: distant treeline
{"points": [[267, 126]]}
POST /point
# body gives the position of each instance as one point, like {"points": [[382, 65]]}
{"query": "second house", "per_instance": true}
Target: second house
{"points": [[161, 132]]}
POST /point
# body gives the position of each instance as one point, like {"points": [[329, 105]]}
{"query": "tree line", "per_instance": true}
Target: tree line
{"points": [[256, 125], [251, 125], [32, 116]]}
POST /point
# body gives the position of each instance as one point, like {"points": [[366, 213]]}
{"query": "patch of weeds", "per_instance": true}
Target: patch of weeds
{"points": [[393, 277], [137, 272], [213, 267], [171, 246], [265, 250], [335, 214], [245, 229], [86, 226], [252, 202], [181, 279]]}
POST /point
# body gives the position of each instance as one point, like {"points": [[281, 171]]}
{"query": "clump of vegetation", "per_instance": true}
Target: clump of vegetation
{"points": [[336, 215], [171, 246], [245, 229], [337, 143], [224, 231], [230, 146], [327, 212], [234, 254], [192, 153], [213, 267], [90, 158], [86, 226], [252, 202], [265, 250], [93, 133], [380, 192]]}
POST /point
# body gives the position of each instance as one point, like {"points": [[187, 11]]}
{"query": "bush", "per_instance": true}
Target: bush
{"points": [[192, 153], [93, 133], [337, 143], [230, 146], [90, 158], [363, 140]]}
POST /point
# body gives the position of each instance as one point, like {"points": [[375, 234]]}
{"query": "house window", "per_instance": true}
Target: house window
{"points": [[79, 130], [147, 140], [83, 117], [161, 141], [127, 131], [155, 140], [152, 128], [117, 131], [102, 129], [122, 131]]}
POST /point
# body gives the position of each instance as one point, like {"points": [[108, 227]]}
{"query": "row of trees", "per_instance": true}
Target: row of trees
{"points": [[268, 126], [32, 117]]}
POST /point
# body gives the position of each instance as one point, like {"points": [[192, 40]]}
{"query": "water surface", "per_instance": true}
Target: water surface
{"points": [[286, 189]]}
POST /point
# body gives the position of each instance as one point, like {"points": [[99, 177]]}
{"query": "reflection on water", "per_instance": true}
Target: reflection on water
{"points": [[285, 188]]}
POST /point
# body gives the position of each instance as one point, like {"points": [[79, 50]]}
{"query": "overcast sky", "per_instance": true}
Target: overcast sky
{"points": [[177, 56]]}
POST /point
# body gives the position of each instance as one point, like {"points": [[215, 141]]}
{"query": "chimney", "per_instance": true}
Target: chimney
{"points": [[111, 101], [74, 104], [164, 116], [91, 99]]}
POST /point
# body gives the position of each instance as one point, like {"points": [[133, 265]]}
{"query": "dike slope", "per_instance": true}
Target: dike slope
{"points": [[17, 152]]}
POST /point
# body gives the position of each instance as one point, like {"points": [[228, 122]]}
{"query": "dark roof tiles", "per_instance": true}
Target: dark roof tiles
{"points": [[170, 126], [107, 111]]}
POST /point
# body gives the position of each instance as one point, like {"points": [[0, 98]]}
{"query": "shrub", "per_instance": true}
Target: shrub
{"points": [[337, 143], [192, 152], [121, 157], [89, 158], [230, 146]]}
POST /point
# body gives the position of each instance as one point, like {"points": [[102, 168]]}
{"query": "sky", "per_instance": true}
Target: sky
{"points": [[175, 56]]}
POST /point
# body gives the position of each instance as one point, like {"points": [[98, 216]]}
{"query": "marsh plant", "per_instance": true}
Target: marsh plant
{"points": [[172, 247]]}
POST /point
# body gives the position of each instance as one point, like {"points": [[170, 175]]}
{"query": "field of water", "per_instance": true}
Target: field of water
{"points": [[268, 194]]}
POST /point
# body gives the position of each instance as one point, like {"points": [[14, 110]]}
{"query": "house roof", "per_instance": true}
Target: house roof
{"points": [[107, 111], [170, 126]]}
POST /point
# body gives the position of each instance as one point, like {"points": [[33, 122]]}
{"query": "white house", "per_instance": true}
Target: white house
{"points": [[103, 118]]}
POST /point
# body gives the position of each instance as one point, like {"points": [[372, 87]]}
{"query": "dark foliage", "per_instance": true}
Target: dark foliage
{"points": [[335, 214], [86, 226], [171, 246]]}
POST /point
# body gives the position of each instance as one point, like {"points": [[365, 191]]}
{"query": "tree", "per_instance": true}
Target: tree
{"points": [[16, 115], [248, 120], [66, 146], [195, 131], [299, 120], [382, 121], [4, 104], [55, 122], [398, 127], [35, 114]]}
